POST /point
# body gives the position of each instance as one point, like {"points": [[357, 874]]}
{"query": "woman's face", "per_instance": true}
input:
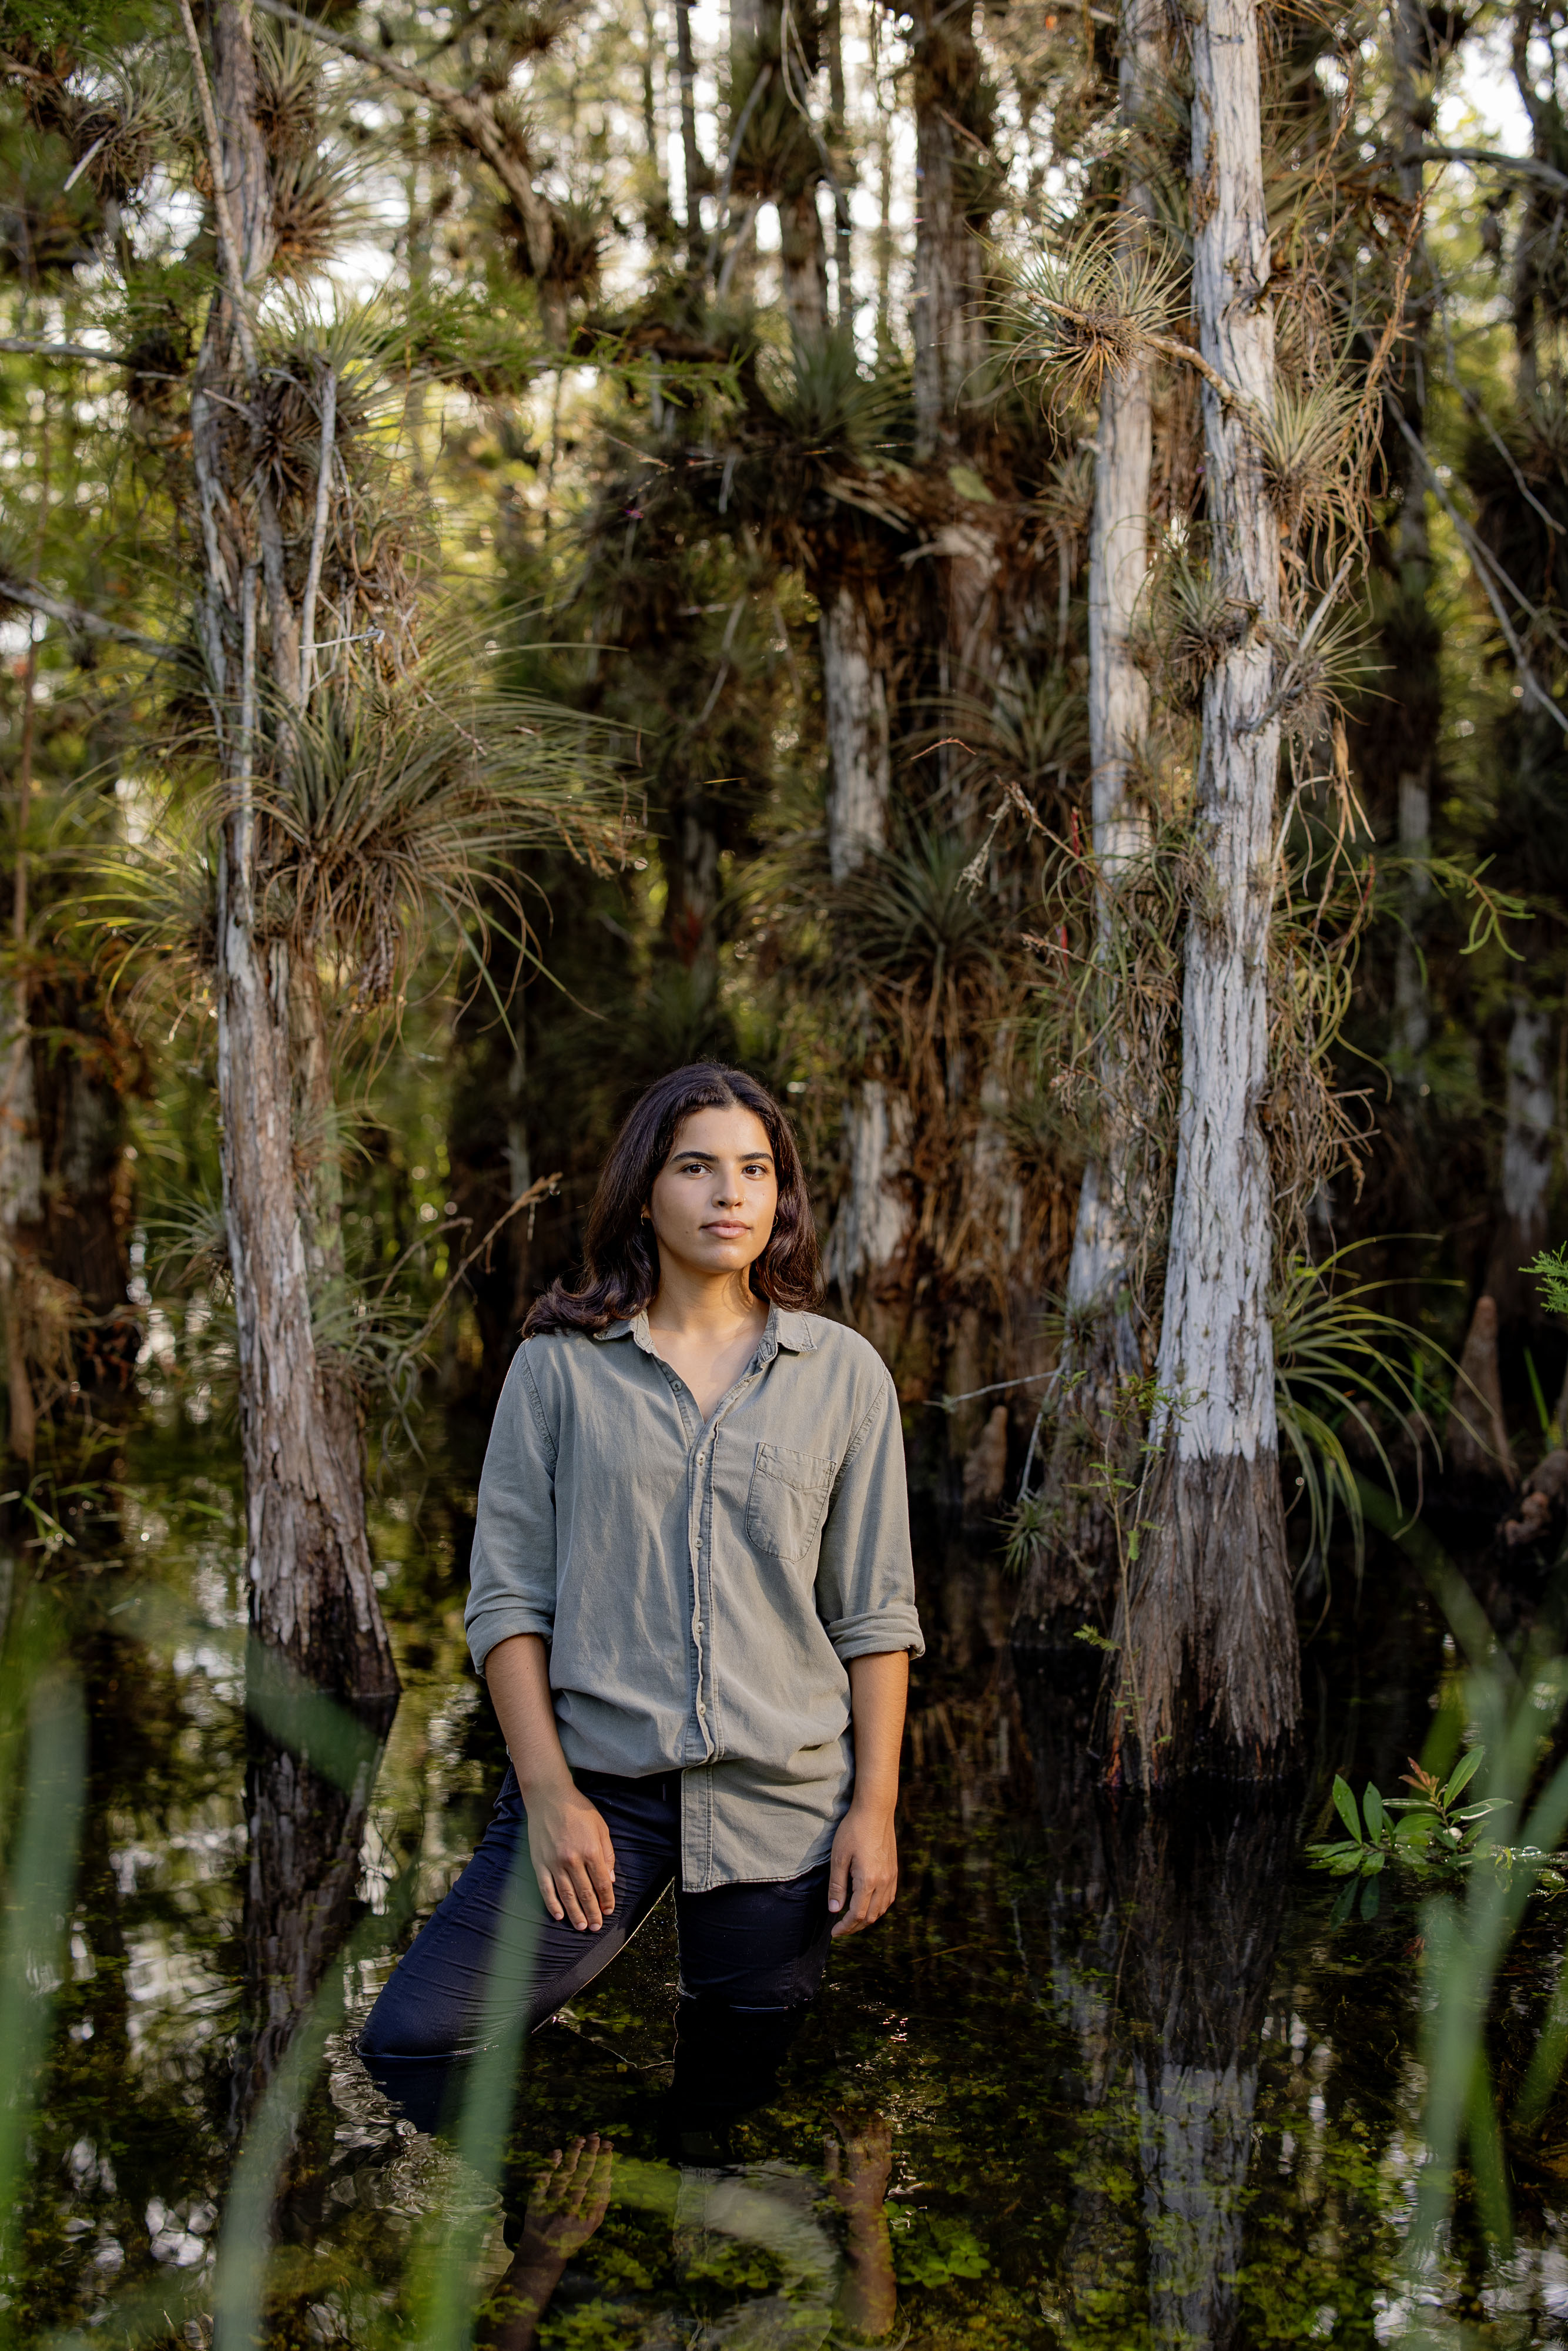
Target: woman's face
{"points": [[715, 1198]]}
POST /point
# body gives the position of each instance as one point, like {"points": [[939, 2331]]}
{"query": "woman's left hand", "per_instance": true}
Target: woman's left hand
{"points": [[864, 1870]]}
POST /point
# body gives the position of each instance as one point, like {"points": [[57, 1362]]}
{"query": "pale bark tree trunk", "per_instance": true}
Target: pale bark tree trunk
{"points": [[854, 692], [948, 327], [1530, 1117], [21, 1156], [691, 154], [1420, 713], [1540, 206], [1207, 1670], [312, 1590], [21, 1208], [871, 1227], [803, 265], [838, 132], [1071, 1573]]}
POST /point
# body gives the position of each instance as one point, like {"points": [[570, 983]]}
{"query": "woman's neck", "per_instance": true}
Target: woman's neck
{"points": [[705, 1306]]}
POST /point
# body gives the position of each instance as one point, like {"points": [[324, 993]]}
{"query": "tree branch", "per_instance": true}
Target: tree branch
{"points": [[227, 240], [1482, 564], [473, 115], [75, 616], [1527, 167]]}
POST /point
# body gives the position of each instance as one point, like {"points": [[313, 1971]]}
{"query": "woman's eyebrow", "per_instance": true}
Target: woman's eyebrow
{"points": [[708, 1157]]}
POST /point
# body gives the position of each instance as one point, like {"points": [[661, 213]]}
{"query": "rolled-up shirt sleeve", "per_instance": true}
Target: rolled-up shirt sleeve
{"points": [[512, 1574], [865, 1574]]}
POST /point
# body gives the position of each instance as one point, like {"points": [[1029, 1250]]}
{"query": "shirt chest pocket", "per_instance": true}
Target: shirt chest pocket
{"points": [[787, 1501]]}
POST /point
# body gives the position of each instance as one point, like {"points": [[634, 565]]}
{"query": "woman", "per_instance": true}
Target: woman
{"points": [[693, 1604]]}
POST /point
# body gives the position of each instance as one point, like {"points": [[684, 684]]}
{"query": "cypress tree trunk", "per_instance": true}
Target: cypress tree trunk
{"points": [[1072, 1571], [1207, 1671], [803, 260], [854, 692], [949, 332], [1413, 638], [312, 1592], [1530, 1112]]}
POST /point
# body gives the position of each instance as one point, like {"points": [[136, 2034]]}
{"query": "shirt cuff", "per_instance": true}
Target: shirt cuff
{"points": [[877, 1634], [489, 1625]]}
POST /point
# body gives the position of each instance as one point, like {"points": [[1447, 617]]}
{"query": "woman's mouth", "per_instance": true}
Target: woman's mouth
{"points": [[726, 1232]]}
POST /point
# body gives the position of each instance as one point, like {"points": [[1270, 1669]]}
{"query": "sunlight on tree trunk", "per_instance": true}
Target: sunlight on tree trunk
{"points": [[1207, 1670], [312, 1590], [855, 694], [948, 326], [1071, 1575]]}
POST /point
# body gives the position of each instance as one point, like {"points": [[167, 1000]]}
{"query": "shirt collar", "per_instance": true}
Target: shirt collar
{"points": [[785, 1328]]}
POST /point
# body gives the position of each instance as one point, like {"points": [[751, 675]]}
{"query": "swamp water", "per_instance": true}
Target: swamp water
{"points": [[1100, 2079]]}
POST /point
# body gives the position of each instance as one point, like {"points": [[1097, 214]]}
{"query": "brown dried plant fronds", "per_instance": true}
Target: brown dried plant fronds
{"points": [[1091, 308]]}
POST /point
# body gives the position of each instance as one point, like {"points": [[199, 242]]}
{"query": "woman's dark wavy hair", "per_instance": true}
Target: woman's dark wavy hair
{"points": [[621, 1255]]}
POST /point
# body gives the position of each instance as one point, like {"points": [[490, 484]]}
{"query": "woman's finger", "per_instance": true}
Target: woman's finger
{"points": [[601, 1875], [854, 1918], [584, 1895], [551, 1898], [838, 1877], [571, 1895]]}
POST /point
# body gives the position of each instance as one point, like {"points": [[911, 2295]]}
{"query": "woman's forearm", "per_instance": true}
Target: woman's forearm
{"points": [[568, 1844], [878, 1692], [517, 1673]]}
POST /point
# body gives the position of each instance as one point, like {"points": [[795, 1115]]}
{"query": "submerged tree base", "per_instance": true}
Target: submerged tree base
{"points": [[1073, 1576], [1207, 1677]]}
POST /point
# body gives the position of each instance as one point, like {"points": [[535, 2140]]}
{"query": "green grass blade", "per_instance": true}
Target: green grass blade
{"points": [[37, 1901]]}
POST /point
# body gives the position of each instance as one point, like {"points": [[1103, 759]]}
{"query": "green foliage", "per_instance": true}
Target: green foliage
{"points": [[1550, 1269], [1343, 1366], [1429, 1834]]}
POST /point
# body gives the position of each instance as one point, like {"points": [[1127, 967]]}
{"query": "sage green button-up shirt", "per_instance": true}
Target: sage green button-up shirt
{"points": [[703, 1588]]}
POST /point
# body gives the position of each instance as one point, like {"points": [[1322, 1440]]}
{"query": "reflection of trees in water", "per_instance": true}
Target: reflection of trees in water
{"points": [[1161, 1932], [306, 1799]]}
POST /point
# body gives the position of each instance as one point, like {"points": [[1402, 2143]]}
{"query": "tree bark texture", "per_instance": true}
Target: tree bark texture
{"points": [[949, 331], [1475, 1439], [871, 1228], [1071, 1575], [21, 1212], [1207, 1672], [1411, 634], [854, 692], [1525, 1175], [803, 263], [312, 1590]]}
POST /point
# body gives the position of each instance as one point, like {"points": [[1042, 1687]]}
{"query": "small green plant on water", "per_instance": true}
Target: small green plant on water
{"points": [[1429, 1832]]}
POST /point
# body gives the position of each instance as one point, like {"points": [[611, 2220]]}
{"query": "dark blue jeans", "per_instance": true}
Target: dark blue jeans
{"points": [[752, 1956]]}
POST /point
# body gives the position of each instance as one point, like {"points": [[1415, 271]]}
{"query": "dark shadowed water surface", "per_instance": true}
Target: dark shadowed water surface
{"points": [[1122, 2081]]}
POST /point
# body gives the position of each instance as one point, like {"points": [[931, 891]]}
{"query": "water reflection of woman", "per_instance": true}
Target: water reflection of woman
{"points": [[693, 1604], [772, 2206]]}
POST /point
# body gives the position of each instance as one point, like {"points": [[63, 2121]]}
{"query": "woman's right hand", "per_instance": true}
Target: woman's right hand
{"points": [[568, 1843], [573, 1859]]}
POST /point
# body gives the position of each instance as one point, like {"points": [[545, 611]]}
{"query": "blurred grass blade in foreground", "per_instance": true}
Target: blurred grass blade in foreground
{"points": [[39, 1879]]}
